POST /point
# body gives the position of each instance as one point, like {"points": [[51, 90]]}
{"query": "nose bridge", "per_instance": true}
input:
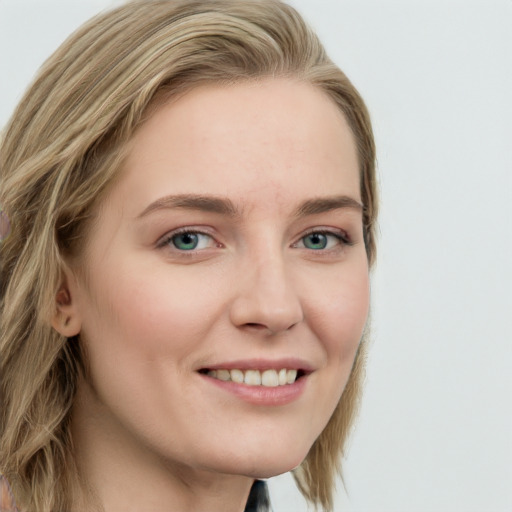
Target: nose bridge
{"points": [[267, 296], [271, 279]]}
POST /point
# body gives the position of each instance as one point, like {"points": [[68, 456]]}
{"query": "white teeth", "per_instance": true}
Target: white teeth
{"points": [[237, 376], [291, 375], [252, 378], [268, 378]]}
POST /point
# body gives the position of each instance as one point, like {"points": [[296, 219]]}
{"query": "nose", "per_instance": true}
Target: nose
{"points": [[266, 299]]}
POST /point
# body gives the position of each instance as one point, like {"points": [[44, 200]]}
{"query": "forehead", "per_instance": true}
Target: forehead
{"points": [[273, 137]]}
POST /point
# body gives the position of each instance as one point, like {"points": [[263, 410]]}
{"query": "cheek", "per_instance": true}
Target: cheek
{"points": [[339, 313], [151, 313], [142, 332], [339, 321]]}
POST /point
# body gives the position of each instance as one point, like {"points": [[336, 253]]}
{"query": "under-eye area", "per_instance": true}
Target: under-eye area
{"points": [[268, 378]]}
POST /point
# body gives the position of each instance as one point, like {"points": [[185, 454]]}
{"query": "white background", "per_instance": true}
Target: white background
{"points": [[435, 432]]}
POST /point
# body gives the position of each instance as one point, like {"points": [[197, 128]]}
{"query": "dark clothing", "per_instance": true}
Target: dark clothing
{"points": [[259, 500]]}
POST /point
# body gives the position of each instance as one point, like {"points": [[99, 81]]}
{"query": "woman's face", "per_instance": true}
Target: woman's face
{"points": [[230, 248]]}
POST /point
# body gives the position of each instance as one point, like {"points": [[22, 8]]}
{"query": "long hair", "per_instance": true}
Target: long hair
{"points": [[63, 148]]}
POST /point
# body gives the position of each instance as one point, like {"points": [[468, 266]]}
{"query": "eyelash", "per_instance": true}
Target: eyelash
{"points": [[167, 239], [342, 238]]}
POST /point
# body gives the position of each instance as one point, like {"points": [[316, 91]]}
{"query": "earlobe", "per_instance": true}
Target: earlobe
{"points": [[66, 319]]}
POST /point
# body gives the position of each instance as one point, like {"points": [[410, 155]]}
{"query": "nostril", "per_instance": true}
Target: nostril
{"points": [[254, 325]]}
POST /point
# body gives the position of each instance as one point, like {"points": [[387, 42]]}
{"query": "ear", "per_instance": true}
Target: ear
{"points": [[67, 319]]}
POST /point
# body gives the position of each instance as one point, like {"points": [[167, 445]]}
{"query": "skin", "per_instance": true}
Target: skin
{"points": [[151, 432]]}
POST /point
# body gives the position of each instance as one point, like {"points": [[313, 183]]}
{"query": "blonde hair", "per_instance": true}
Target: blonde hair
{"points": [[62, 149]]}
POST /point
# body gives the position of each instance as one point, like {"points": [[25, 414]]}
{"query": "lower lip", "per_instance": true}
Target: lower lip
{"points": [[262, 395]]}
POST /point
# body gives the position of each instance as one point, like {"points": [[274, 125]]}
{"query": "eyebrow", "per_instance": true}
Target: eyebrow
{"points": [[224, 206], [194, 202], [327, 204]]}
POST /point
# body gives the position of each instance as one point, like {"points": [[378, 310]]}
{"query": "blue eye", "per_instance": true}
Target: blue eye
{"points": [[315, 241], [319, 241], [190, 241]]}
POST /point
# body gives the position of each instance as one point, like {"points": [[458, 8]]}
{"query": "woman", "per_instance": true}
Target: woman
{"points": [[191, 195]]}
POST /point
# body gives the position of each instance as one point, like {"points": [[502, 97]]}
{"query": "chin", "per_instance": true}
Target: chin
{"points": [[264, 464]]}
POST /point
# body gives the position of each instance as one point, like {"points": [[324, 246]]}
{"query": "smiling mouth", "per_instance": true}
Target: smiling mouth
{"points": [[266, 378]]}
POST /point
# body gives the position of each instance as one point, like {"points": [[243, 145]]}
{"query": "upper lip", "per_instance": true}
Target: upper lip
{"points": [[290, 363]]}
